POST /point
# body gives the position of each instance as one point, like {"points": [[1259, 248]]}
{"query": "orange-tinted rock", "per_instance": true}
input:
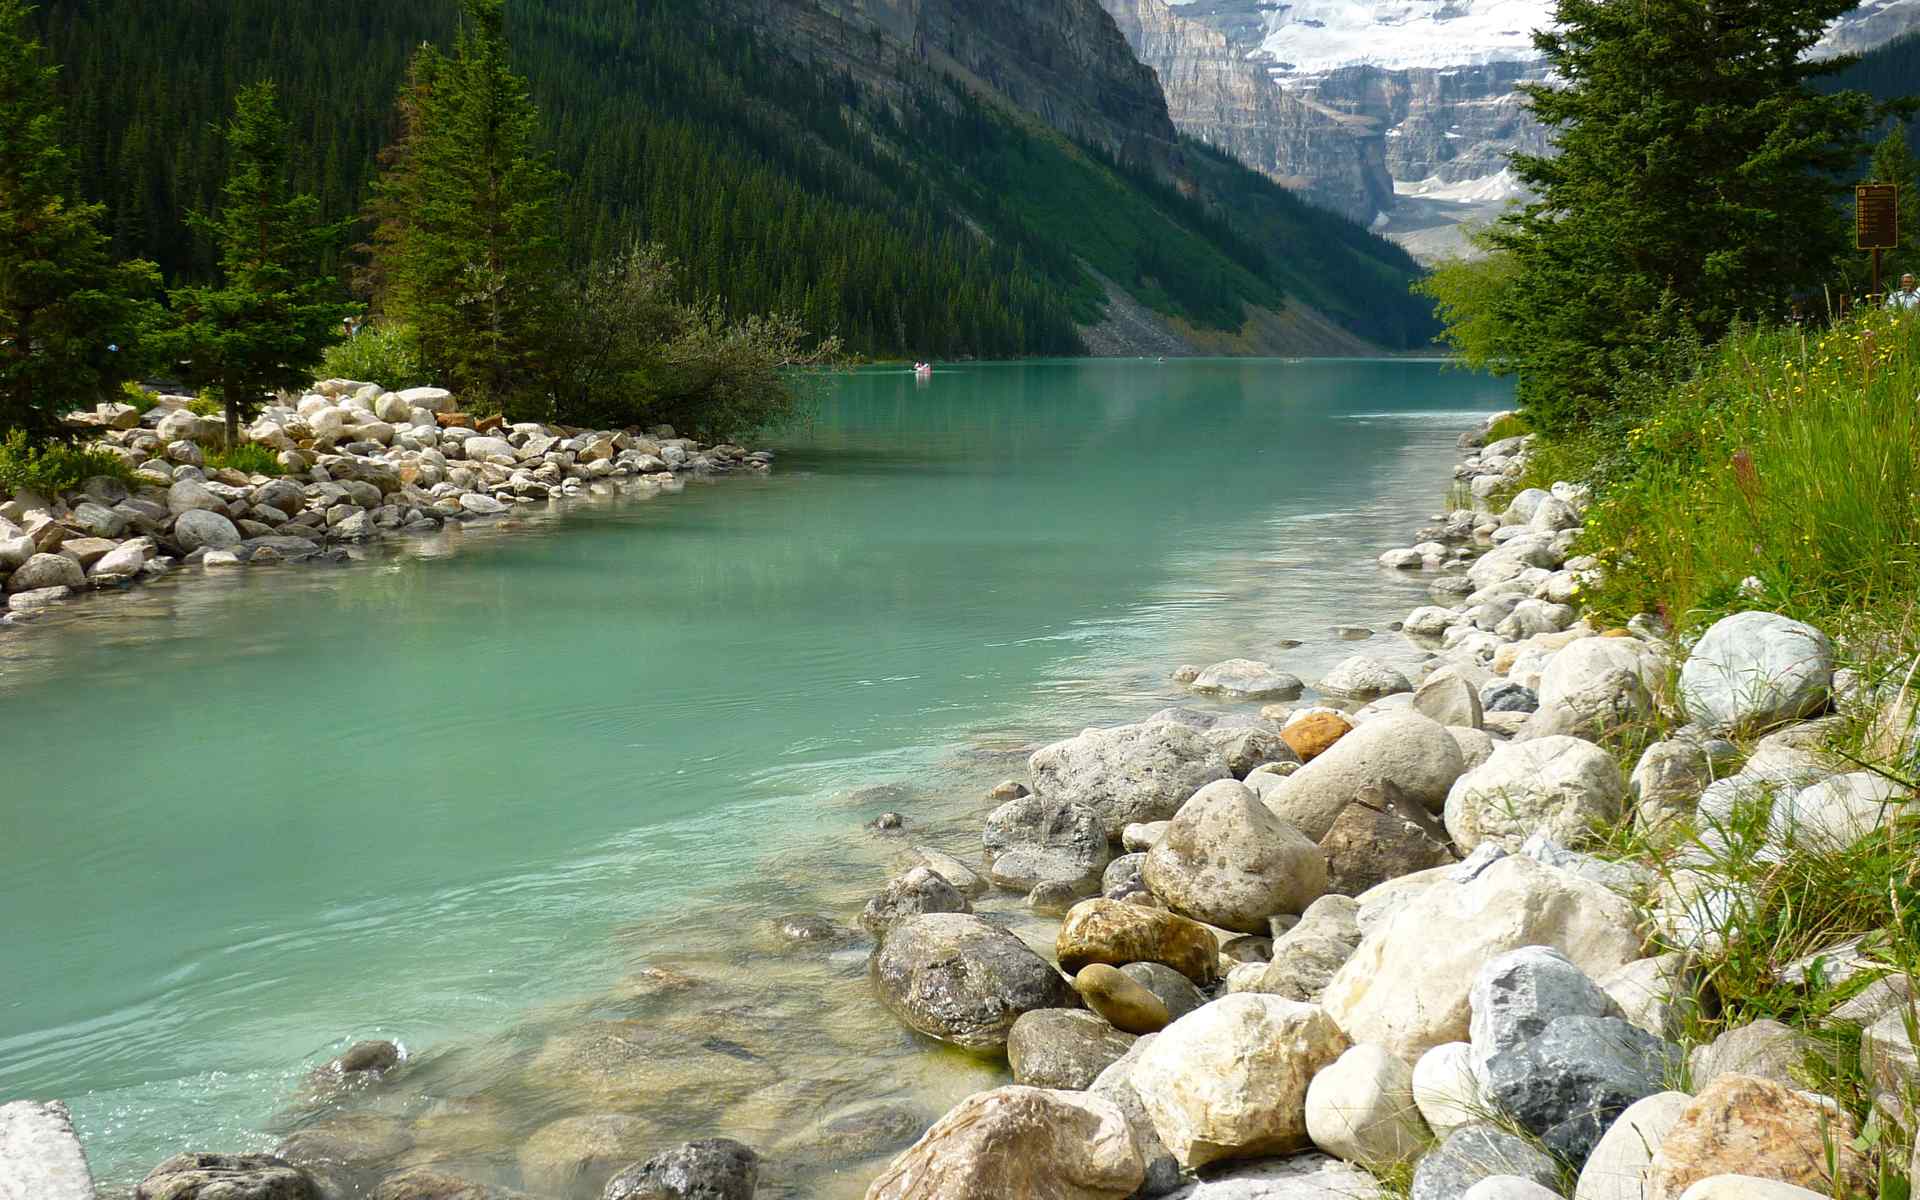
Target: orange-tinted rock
{"points": [[1745, 1125], [1117, 933], [1314, 734]]}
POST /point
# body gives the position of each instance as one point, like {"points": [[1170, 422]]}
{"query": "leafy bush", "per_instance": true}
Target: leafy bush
{"points": [[248, 458], [635, 356], [206, 404], [137, 397], [386, 354], [53, 467]]}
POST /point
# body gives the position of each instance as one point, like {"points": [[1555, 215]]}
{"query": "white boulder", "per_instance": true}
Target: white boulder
{"points": [[1560, 786]]}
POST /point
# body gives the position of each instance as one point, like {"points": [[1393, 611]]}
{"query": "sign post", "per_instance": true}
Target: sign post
{"points": [[1876, 223]]}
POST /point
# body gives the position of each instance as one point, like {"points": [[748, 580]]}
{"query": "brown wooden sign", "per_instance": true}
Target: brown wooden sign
{"points": [[1876, 216]]}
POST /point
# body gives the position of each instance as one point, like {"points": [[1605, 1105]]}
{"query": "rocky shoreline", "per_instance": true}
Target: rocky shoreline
{"points": [[358, 464], [1376, 945], [1362, 948]]}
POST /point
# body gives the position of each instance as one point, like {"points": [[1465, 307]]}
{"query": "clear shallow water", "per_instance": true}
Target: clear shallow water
{"points": [[529, 799]]}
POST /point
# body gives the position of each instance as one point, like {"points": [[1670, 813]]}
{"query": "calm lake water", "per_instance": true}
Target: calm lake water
{"points": [[530, 799]]}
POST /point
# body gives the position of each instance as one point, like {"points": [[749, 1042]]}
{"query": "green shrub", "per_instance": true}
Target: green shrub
{"points": [[206, 404], [385, 354], [53, 467], [137, 398], [1509, 425], [248, 458]]}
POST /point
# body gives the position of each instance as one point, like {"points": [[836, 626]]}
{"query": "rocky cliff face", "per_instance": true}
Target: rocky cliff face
{"points": [[1449, 126], [1063, 61], [1425, 88], [1215, 93]]}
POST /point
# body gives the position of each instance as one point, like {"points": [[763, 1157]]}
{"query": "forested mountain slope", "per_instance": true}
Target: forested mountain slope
{"points": [[922, 176], [1887, 72]]}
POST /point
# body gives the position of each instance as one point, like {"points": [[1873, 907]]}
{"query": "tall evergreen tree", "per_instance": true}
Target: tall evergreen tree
{"points": [[1695, 182], [467, 246], [266, 323], [1893, 162], [70, 318]]}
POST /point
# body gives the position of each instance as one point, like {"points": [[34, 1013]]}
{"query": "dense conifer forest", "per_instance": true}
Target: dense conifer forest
{"points": [[931, 224]]}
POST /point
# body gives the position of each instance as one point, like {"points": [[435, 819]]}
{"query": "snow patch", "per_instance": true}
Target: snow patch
{"points": [[1487, 189]]}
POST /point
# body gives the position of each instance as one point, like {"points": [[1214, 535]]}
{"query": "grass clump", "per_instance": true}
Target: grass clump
{"points": [[248, 458], [53, 467], [387, 354], [1782, 472], [1508, 425]]}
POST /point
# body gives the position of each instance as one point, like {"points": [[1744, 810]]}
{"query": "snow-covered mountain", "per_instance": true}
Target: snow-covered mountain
{"points": [[1426, 85]]}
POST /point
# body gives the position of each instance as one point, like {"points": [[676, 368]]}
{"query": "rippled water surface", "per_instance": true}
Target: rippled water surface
{"points": [[531, 798]]}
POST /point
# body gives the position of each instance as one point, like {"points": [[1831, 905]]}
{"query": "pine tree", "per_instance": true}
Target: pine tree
{"points": [[1695, 183], [70, 318], [1893, 162], [467, 244], [274, 312]]}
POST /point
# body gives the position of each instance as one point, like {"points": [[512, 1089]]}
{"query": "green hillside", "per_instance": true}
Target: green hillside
{"points": [[927, 222]]}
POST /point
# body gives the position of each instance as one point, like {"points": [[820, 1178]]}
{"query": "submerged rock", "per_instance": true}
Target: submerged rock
{"points": [[226, 1177], [954, 977], [708, 1169]]}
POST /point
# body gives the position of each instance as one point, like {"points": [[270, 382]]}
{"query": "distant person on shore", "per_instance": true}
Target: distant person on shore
{"points": [[1908, 297]]}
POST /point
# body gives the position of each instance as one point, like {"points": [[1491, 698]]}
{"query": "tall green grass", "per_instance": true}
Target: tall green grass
{"points": [[1788, 459]]}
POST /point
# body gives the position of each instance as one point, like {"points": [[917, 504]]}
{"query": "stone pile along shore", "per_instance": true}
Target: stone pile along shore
{"points": [[1353, 948], [359, 463], [1310, 950]]}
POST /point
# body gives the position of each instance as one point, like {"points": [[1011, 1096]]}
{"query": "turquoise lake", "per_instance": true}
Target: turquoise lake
{"points": [[518, 794]]}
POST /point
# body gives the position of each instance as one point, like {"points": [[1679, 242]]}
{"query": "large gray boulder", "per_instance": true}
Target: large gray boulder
{"points": [[190, 494], [1567, 1085], [1756, 669], [1412, 754], [1063, 1048], [1475, 1152], [1038, 840], [1449, 697], [1516, 995], [954, 977], [46, 571], [1246, 679], [200, 528], [1363, 677], [1594, 686], [40, 1158], [1306, 957], [1228, 861], [1564, 787], [1128, 774]]}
